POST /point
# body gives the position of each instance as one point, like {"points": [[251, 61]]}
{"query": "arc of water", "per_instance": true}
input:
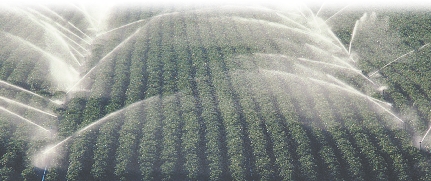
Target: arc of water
{"points": [[308, 33], [52, 29], [423, 138], [327, 39], [279, 25], [57, 24], [315, 21], [57, 145], [25, 90], [87, 16], [61, 26], [73, 41], [47, 26], [298, 8], [292, 21], [342, 61], [353, 35], [77, 51], [322, 51], [346, 87], [49, 55], [338, 41], [360, 94], [56, 14], [365, 77], [29, 15], [388, 111], [311, 12], [100, 121], [120, 27], [85, 34], [335, 14], [74, 57], [328, 64], [423, 46], [353, 89], [102, 60], [320, 9], [358, 71], [39, 14], [26, 106], [51, 11], [65, 44], [72, 33], [410, 52], [25, 119]]}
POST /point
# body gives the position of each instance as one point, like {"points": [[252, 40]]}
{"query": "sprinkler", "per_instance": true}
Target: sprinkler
{"points": [[44, 173]]}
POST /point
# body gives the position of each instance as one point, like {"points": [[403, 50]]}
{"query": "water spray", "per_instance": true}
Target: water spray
{"points": [[35, 47], [51, 11], [423, 138], [58, 34], [337, 13], [321, 7], [392, 62], [339, 42], [25, 119], [356, 91], [353, 36], [79, 53], [123, 26], [95, 123], [269, 23], [360, 94], [61, 26], [26, 106], [302, 14], [87, 16], [292, 21], [25, 90], [79, 30], [358, 71], [56, 14], [102, 60], [67, 37], [72, 33], [46, 26], [423, 46], [327, 64]]}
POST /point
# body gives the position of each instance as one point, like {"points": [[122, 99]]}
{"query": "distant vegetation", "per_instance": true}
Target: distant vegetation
{"points": [[197, 95]]}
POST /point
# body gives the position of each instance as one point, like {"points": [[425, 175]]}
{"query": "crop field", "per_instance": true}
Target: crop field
{"points": [[221, 92]]}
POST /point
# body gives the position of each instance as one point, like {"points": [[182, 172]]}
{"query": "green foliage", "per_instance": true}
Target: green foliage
{"points": [[149, 150], [126, 154], [80, 158], [104, 150], [206, 108]]}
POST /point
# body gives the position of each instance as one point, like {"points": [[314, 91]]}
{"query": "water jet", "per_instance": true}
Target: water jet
{"points": [[102, 60], [26, 106], [25, 119]]}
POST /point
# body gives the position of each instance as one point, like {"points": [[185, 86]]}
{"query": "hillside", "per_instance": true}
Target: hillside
{"points": [[226, 92]]}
